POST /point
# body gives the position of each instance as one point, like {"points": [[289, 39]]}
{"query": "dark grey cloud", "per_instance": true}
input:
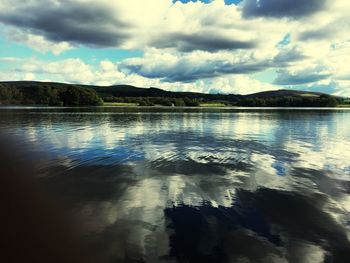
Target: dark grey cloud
{"points": [[315, 35], [188, 71], [285, 78], [281, 8], [289, 55], [69, 21], [206, 41]]}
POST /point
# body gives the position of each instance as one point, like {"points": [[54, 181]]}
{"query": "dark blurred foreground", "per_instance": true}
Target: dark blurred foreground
{"points": [[34, 227]]}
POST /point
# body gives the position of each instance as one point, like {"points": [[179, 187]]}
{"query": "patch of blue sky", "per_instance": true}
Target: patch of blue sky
{"points": [[10, 49], [285, 41], [266, 76], [187, 1], [93, 56], [88, 55], [228, 2], [329, 88]]}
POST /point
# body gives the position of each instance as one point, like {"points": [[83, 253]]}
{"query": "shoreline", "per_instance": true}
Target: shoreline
{"points": [[343, 107]]}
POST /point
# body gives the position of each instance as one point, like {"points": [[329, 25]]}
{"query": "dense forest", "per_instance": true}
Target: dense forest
{"points": [[59, 94], [52, 95], [323, 100]]}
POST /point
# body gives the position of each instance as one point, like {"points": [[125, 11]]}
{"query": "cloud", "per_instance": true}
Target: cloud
{"points": [[128, 24], [238, 84], [172, 67], [281, 8], [78, 22], [325, 86], [9, 59], [336, 87], [38, 43], [288, 78], [315, 34], [208, 41], [106, 73], [288, 55], [72, 70], [342, 88], [332, 30]]}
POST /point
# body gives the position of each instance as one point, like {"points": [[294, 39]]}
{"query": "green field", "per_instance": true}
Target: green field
{"points": [[212, 105], [309, 95], [125, 104], [343, 105]]}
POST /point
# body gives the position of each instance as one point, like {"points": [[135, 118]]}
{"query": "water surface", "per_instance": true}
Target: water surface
{"points": [[196, 185]]}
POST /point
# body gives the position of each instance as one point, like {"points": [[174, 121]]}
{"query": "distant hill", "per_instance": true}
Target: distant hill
{"points": [[131, 91], [114, 90], [52, 93], [284, 93]]}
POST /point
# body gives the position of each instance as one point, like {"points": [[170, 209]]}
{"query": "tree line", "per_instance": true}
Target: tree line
{"points": [[67, 95], [152, 101], [323, 100], [286, 101]]}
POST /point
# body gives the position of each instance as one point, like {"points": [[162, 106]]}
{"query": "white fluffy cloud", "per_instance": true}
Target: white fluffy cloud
{"points": [[107, 73]]}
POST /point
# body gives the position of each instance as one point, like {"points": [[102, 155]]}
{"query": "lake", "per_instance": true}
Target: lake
{"points": [[195, 185]]}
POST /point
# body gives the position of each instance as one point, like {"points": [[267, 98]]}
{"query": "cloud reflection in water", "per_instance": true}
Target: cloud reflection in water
{"points": [[200, 185]]}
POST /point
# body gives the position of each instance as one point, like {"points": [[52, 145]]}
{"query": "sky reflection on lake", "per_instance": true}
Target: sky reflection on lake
{"points": [[201, 185]]}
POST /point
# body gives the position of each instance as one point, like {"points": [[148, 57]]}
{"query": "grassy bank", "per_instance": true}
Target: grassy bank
{"points": [[343, 106], [121, 104], [212, 105]]}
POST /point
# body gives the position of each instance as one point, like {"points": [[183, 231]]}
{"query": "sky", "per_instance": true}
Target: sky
{"points": [[218, 46]]}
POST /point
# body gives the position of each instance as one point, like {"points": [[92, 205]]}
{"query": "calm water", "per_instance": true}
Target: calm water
{"points": [[196, 185]]}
